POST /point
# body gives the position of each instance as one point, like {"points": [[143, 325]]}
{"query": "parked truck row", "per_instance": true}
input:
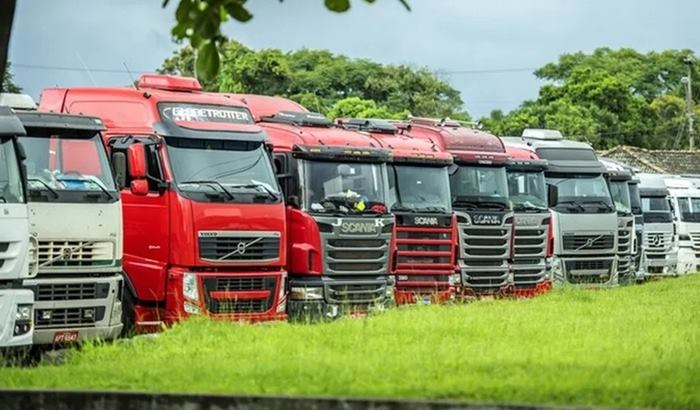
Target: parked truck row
{"points": [[126, 209]]}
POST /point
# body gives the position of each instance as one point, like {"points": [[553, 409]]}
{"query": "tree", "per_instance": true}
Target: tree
{"points": [[199, 21], [356, 107], [608, 97], [8, 84], [318, 79]]}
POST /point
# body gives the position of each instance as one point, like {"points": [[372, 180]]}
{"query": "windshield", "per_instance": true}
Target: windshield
{"points": [[582, 193], [69, 167], [479, 186], [222, 170], [621, 196], [655, 204], [419, 188], [527, 191], [10, 180], [635, 200], [344, 187], [689, 209]]}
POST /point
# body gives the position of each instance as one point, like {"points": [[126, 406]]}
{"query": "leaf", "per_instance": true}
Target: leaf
{"points": [[236, 10], [182, 13], [207, 22], [339, 6], [207, 65]]}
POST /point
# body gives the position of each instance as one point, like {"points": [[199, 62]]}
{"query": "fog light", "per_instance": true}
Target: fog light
{"points": [[189, 286], [191, 309], [304, 293], [332, 311], [89, 313]]}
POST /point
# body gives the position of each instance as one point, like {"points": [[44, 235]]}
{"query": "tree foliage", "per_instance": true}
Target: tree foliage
{"points": [[319, 80], [607, 98], [8, 83], [199, 22]]}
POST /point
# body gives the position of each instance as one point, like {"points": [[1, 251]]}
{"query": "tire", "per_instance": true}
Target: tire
{"points": [[128, 313]]}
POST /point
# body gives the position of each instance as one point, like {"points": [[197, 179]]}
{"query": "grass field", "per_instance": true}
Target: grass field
{"points": [[637, 346]]}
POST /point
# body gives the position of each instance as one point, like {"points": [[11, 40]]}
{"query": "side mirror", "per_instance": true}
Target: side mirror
{"points": [[137, 161], [119, 167], [552, 195], [293, 201], [139, 187]]}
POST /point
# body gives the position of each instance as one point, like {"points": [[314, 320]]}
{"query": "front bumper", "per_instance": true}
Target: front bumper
{"points": [[89, 307], [591, 271], [318, 298]]}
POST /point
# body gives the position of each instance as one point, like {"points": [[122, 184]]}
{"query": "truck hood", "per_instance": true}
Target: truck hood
{"points": [[593, 225]]}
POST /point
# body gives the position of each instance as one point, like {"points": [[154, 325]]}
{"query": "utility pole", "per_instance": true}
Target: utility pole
{"points": [[688, 80]]}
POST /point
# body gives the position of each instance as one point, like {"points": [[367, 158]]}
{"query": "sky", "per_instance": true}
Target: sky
{"points": [[485, 49]]}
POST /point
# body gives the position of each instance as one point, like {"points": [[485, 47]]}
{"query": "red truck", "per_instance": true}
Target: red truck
{"points": [[479, 193], [425, 233], [533, 231], [204, 221], [340, 229]]}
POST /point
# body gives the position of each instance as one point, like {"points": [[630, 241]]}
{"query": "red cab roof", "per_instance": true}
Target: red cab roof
{"points": [[265, 106]]}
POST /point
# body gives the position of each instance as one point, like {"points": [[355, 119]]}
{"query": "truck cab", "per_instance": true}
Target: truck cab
{"points": [[685, 198], [424, 254], [527, 190], [340, 228], [619, 179], [75, 217], [660, 235], [479, 190], [584, 219], [205, 230], [17, 257]]}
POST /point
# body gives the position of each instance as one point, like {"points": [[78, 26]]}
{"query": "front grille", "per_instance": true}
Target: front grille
{"points": [[69, 317], [71, 291], [695, 239], [69, 253], [655, 242], [484, 255], [582, 271], [490, 243], [239, 305], [529, 267], [424, 250], [588, 242], [356, 256], [356, 294], [239, 247], [624, 241]]}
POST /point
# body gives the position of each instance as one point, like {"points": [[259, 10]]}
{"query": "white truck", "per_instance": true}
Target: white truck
{"points": [[584, 219], [76, 217], [619, 179], [685, 198], [660, 232], [16, 260]]}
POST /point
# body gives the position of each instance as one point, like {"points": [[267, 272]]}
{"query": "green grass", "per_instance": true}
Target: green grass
{"points": [[637, 346]]}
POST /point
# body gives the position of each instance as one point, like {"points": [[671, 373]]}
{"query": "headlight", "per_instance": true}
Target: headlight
{"points": [[24, 313], [303, 293], [189, 286]]}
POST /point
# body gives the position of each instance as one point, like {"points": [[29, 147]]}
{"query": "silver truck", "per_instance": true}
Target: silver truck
{"points": [[16, 262], [618, 180], [75, 215], [660, 231], [583, 215]]}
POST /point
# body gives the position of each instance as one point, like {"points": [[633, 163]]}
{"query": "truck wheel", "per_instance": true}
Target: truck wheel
{"points": [[128, 313]]}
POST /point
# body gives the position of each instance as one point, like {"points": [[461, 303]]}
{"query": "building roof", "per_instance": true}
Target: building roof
{"points": [[676, 162]]}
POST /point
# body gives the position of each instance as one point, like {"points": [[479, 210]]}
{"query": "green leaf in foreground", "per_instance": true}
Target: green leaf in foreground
{"points": [[207, 60]]}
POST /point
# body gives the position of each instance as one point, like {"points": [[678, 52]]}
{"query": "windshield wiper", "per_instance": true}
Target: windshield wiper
{"points": [[41, 181], [88, 180], [272, 194], [211, 184], [605, 204], [574, 203]]}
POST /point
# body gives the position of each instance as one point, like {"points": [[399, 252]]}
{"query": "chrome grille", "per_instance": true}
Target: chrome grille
{"points": [[424, 250], [74, 317], [232, 304], [658, 242], [529, 266], [591, 270], [356, 256], [356, 293], [251, 246], [71, 291], [484, 254], [573, 242]]}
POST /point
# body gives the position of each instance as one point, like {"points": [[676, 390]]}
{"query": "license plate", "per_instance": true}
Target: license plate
{"points": [[66, 337], [358, 314], [426, 299]]}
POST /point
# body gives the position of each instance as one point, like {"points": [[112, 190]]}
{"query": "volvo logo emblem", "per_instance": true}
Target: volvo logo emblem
{"points": [[66, 253], [241, 248], [589, 242]]}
